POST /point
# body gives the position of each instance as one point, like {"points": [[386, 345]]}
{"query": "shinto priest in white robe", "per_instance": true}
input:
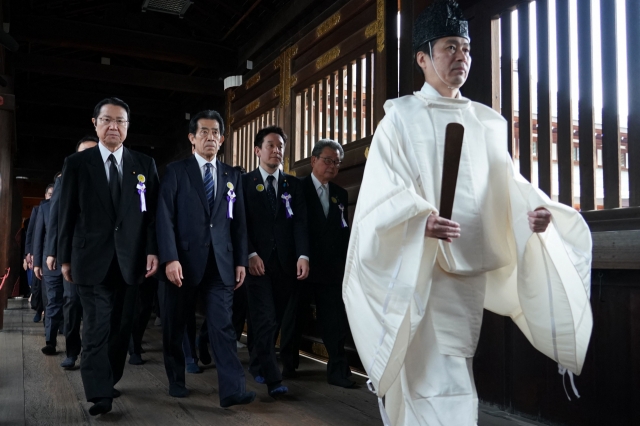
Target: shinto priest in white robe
{"points": [[414, 303]]}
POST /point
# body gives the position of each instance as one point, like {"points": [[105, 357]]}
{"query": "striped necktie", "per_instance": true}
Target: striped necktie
{"points": [[208, 186]]}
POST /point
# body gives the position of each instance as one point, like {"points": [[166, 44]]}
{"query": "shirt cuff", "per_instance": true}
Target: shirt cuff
{"points": [[253, 254], [304, 257]]}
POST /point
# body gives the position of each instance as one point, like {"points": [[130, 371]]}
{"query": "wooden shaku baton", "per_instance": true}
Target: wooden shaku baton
{"points": [[450, 165]]}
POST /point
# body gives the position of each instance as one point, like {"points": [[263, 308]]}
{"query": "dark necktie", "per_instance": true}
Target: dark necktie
{"points": [[271, 192], [114, 182], [208, 186]]}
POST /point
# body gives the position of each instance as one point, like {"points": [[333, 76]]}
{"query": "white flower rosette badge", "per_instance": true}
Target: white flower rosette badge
{"points": [[286, 199], [141, 190], [231, 198]]}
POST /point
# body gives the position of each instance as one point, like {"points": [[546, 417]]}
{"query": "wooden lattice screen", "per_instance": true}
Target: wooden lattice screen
{"points": [[328, 83]]}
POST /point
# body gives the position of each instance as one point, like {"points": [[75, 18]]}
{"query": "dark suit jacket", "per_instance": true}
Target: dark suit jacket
{"points": [[39, 237], [266, 230], [51, 242], [90, 231], [28, 245], [186, 228], [328, 240]]}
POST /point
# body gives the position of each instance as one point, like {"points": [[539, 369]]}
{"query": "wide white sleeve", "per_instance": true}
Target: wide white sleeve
{"points": [[547, 294], [384, 257]]}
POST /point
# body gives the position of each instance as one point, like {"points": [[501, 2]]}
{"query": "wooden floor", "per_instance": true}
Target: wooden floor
{"points": [[35, 390]]}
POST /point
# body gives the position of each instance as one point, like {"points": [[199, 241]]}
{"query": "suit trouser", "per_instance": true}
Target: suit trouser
{"points": [[144, 306], [189, 339], [108, 310], [36, 294], [269, 296], [238, 318], [72, 318], [179, 302], [55, 300], [240, 307], [333, 322]]}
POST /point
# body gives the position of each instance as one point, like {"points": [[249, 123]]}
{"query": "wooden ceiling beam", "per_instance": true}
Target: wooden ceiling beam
{"points": [[73, 134], [83, 35], [87, 100], [115, 74]]}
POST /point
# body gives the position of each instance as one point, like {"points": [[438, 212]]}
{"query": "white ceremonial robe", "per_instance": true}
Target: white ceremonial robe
{"points": [[414, 303]]}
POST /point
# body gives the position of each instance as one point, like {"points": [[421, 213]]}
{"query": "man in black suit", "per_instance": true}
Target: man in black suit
{"points": [[107, 244], [38, 294], [329, 240], [278, 254], [51, 280], [202, 238], [72, 307]]}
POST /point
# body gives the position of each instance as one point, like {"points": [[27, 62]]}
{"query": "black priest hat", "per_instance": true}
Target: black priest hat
{"points": [[442, 18]]}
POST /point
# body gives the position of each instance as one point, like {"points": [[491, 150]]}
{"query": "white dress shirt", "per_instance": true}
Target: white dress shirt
{"points": [[105, 153], [265, 174], [202, 163]]}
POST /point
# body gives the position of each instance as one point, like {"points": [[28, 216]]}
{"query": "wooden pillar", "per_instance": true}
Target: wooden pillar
{"points": [[8, 254], [386, 57]]}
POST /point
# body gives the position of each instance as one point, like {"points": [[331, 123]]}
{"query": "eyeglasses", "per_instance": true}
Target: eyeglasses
{"points": [[108, 121], [328, 161]]}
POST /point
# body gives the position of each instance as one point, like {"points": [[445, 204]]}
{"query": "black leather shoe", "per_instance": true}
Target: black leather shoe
{"points": [[101, 407], [49, 350], [116, 393], [69, 362], [179, 392], [278, 390], [135, 359], [239, 399], [342, 382]]}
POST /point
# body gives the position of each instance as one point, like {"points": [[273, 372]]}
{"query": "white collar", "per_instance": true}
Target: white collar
{"points": [[265, 174], [432, 97], [201, 161], [316, 182], [105, 153]]}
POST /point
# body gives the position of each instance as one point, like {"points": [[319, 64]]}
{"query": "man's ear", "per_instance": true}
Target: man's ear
{"points": [[221, 140]]}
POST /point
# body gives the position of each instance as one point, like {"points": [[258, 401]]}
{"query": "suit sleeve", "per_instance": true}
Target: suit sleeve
{"points": [[68, 210], [300, 229], [51, 240], [165, 217], [345, 231], [239, 228], [38, 238], [28, 246], [250, 247], [151, 194]]}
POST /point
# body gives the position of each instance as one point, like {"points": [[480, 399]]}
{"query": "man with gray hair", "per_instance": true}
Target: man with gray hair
{"points": [[327, 218]]}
